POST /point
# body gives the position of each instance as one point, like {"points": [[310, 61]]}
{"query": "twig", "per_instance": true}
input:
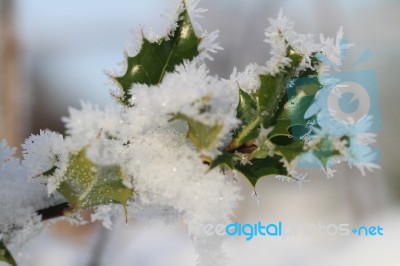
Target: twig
{"points": [[54, 211]]}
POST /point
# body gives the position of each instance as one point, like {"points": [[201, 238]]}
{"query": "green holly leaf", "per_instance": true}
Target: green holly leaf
{"points": [[5, 255], [255, 110], [259, 108], [87, 184], [262, 167], [291, 115], [290, 151], [273, 88], [269, 95], [247, 113], [252, 171], [155, 59], [225, 159], [290, 123], [203, 136]]}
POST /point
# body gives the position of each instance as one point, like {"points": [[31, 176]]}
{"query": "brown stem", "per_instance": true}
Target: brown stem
{"points": [[53, 211], [247, 147]]}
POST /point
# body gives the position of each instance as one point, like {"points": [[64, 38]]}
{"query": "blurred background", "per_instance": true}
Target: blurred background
{"points": [[53, 53]]}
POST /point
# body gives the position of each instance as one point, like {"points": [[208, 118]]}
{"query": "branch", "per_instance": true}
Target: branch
{"points": [[54, 211]]}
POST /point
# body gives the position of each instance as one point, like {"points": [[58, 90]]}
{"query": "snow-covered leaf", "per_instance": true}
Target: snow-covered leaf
{"points": [[87, 184], [203, 136], [157, 58]]}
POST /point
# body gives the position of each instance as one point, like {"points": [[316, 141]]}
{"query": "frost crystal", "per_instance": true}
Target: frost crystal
{"points": [[248, 80], [208, 44], [280, 35]]}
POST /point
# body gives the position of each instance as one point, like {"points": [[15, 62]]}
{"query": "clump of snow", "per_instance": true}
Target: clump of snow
{"points": [[188, 90], [20, 197], [43, 151], [179, 179], [89, 122]]}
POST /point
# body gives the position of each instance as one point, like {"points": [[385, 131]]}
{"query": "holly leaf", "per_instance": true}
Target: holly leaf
{"points": [[86, 184], [290, 119], [157, 58], [225, 160], [290, 151], [260, 107], [255, 110], [324, 150], [5, 255], [252, 171], [273, 88], [247, 113], [203, 136], [262, 167]]}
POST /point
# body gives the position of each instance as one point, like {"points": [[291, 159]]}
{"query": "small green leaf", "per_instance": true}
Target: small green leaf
{"points": [[203, 136], [5, 255], [87, 184], [324, 150], [262, 167], [225, 159], [155, 59], [50, 172]]}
